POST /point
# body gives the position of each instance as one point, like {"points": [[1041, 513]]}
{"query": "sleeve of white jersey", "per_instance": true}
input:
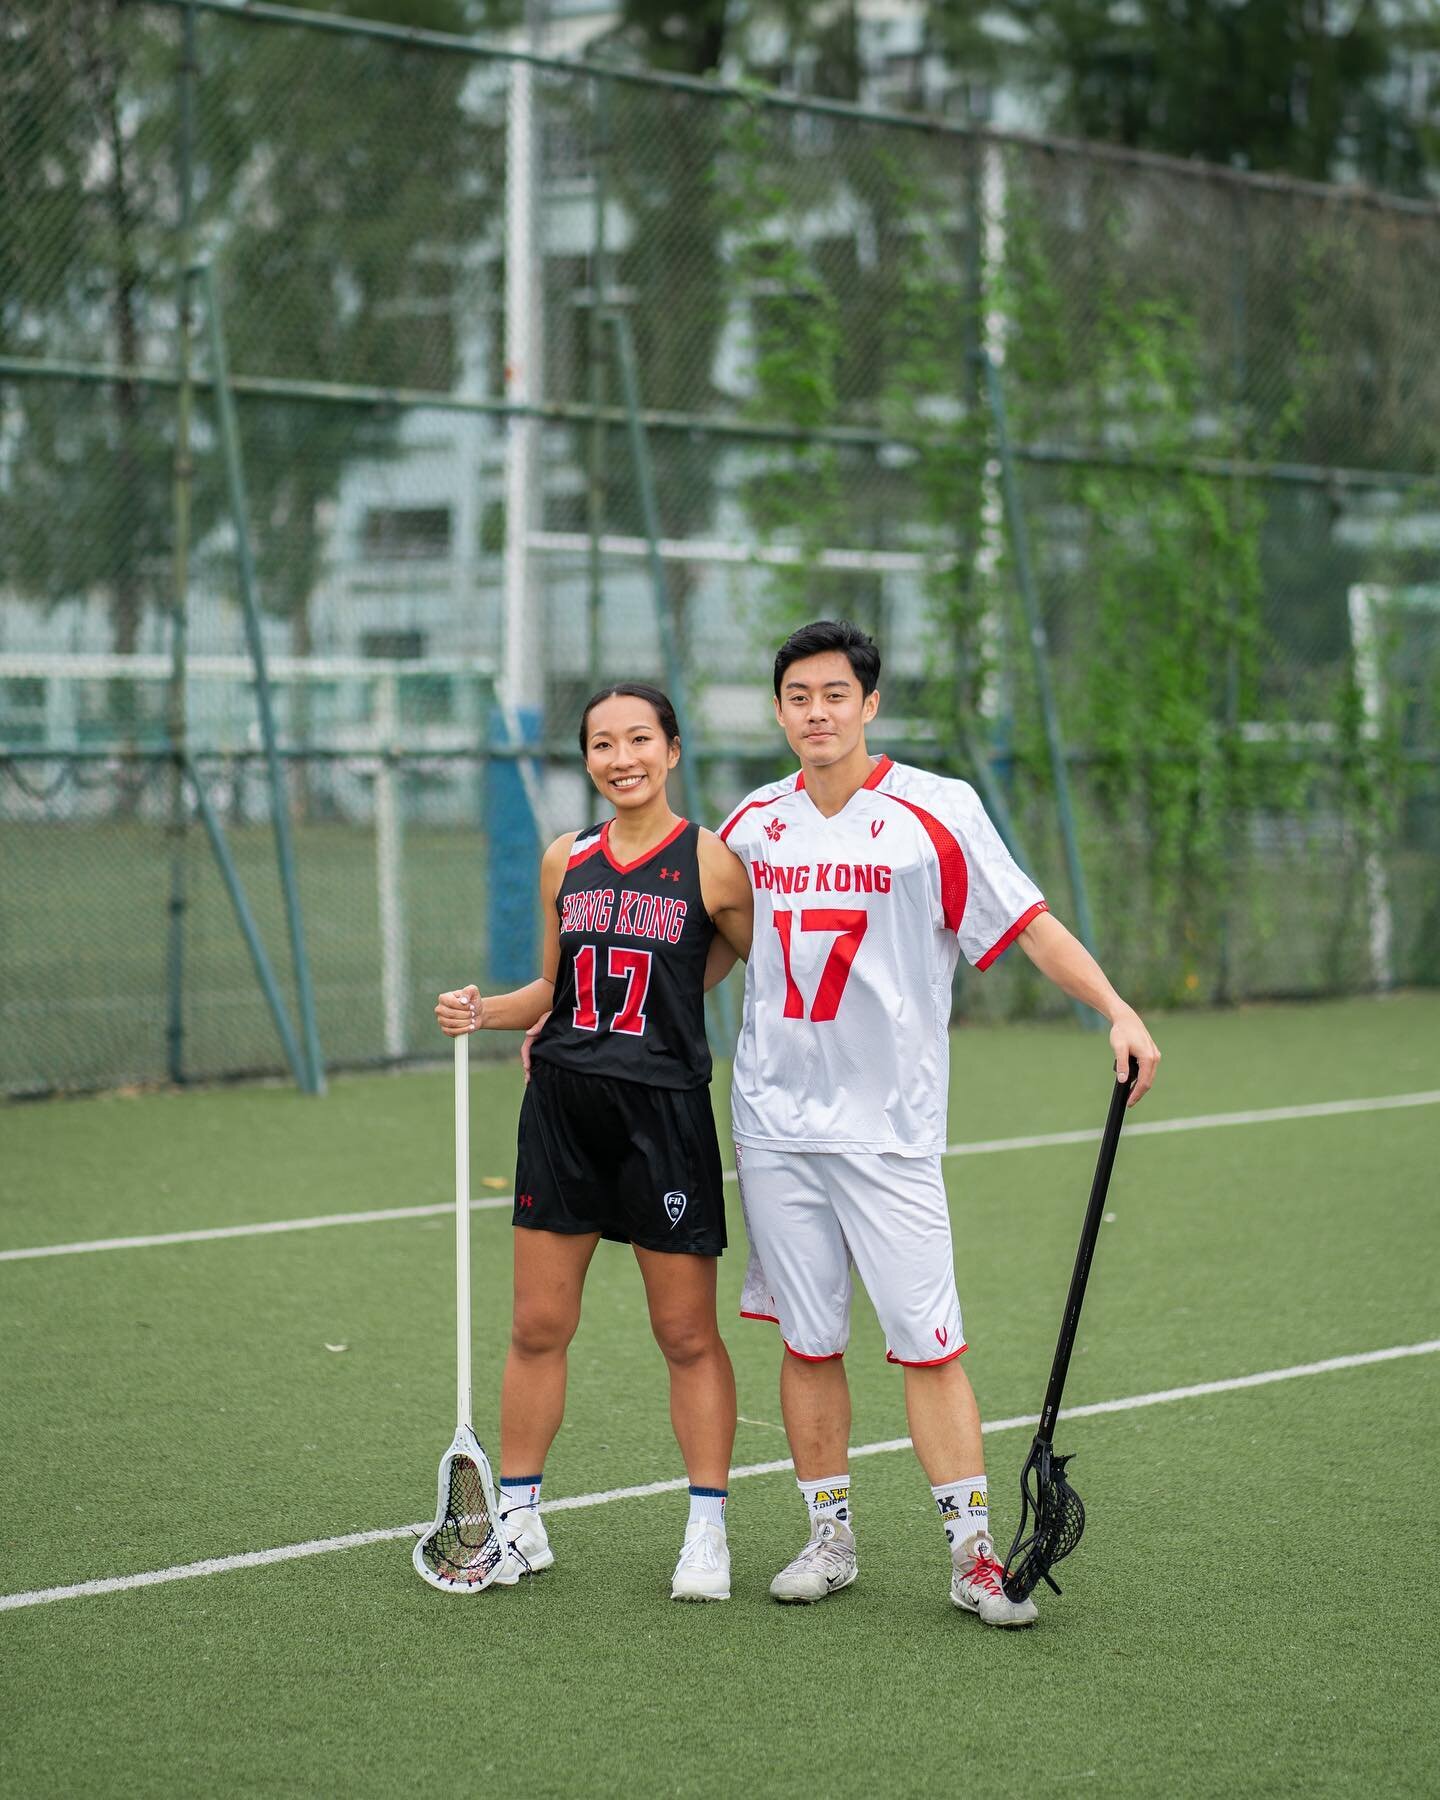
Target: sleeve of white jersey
{"points": [[1000, 898]]}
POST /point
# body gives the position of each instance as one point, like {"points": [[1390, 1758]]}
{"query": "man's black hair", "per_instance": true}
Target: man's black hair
{"points": [[831, 634], [634, 690]]}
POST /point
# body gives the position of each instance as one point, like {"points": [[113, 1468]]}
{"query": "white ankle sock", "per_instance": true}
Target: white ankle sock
{"points": [[707, 1505], [828, 1499], [965, 1512], [517, 1491]]}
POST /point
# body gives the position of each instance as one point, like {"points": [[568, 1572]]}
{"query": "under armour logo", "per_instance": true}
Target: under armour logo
{"points": [[773, 828], [526, 1200], [876, 827], [669, 874]]}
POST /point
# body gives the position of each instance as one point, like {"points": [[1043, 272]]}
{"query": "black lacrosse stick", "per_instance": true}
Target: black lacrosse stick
{"points": [[1052, 1515]]}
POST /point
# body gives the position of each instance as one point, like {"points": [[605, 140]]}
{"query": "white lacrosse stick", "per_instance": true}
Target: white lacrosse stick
{"points": [[464, 1550]]}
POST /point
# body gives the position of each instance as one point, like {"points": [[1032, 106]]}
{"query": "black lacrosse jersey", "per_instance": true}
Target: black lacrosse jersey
{"points": [[630, 989]]}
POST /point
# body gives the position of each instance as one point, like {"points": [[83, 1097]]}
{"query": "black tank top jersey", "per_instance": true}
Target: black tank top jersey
{"points": [[630, 989]]}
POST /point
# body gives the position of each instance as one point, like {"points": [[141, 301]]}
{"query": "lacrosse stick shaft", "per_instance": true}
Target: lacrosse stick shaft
{"points": [[1090, 1231], [462, 1230]]}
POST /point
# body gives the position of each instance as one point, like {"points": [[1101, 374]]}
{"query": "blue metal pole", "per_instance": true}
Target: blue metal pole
{"points": [[513, 837]]}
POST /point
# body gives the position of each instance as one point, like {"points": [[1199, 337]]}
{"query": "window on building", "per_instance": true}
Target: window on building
{"points": [[393, 646], [566, 512], [398, 533], [492, 528]]}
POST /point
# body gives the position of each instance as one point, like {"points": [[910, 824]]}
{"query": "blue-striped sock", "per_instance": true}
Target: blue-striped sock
{"points": [[707, 1505], [519, 1490]]}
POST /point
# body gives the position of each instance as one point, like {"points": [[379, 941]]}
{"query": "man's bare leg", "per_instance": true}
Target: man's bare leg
{"points": [[945, 1429], [944, 1422], [815, 1405]]}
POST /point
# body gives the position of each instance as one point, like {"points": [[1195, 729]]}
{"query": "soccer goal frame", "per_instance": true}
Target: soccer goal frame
{"points": [[1368, 605]]}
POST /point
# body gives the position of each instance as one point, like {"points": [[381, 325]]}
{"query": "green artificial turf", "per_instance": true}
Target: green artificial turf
{"points": [[1251, 1610]]}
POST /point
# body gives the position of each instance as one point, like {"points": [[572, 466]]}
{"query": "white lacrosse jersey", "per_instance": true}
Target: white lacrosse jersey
{"points": [[859, 921]]}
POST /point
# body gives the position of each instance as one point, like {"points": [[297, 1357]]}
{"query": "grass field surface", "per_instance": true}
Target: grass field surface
{"points": [[1252, 1610]]}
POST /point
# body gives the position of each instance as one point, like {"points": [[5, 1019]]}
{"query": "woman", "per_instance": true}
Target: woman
{"points": [[616, 1137]]}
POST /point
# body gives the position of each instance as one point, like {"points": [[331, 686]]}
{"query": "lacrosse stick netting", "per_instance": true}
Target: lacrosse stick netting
{"points": [[464, 1550], [1052, 1515]]}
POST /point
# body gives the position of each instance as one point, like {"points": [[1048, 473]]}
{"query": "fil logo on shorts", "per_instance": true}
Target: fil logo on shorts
{"points": [[674, 1204]]}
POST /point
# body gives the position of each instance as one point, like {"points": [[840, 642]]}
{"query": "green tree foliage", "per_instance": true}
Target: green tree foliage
{"points": [[682, 40], [84, 179], [337, 185], [794, 494], [697, 38], [679, 209], [376, 182], [1301, 87], [1322, 89]]}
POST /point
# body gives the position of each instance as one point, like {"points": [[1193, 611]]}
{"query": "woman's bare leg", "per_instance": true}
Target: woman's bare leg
{"points": [[680, 1290], [550, 1271]]}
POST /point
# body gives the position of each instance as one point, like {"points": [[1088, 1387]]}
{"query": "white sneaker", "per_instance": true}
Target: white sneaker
{"points": [[823, 1567], [703, 1571], [975, 1586], [529, 1547]]}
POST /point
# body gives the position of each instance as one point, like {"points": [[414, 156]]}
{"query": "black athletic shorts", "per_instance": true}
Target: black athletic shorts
{"points": [[638, 1164]]}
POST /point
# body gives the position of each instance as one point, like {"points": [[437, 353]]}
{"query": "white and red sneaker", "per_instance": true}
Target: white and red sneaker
{"points": [[975, 1586]]}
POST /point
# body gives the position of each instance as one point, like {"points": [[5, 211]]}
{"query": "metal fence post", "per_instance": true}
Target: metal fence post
{"points": [[314, 1082], [595, 481], [265, 974], [177, 705], [1234, 500], [512, 784]]}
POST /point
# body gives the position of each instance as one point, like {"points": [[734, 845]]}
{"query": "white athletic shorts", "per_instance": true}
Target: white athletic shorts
{"points": [[812, 1216]]}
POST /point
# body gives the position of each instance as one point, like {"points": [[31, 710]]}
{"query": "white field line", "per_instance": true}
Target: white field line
{"points": [[1322, 1109], [1270, 1115], [256, 1559], [214, 1233]]}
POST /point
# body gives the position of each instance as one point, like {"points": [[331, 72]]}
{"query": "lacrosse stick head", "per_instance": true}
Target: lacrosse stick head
{"points": [[464, 1550], [1052, 1518]]}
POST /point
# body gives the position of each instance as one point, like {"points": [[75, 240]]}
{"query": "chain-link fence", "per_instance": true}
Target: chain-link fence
{"points": [[545, 374]]}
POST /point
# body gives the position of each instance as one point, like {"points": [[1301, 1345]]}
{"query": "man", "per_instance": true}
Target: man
{"points": [[869, 879]]}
